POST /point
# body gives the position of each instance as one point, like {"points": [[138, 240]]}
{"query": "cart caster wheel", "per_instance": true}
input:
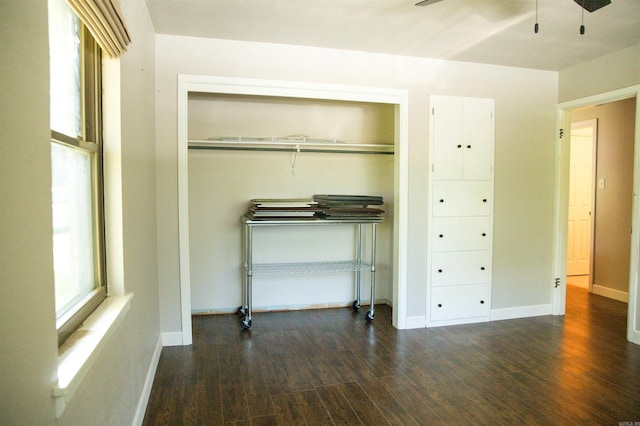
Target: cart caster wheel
{"points": [[245, 324], [369, 316], [355, 305], [242, 311]]}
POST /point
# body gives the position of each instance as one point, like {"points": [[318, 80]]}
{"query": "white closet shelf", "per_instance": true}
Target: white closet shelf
{"points": [[289, 145], [309, 267]]}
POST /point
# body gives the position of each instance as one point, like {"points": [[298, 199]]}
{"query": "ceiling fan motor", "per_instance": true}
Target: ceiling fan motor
{"points": [[592, 5]]}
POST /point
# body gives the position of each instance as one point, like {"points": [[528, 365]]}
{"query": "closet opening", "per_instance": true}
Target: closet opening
{"points": [[239, 143], [224, 178]]}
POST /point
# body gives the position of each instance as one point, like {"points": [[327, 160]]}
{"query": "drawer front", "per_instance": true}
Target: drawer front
{"points": [[462, 199], [465, 233], [456, 268], [458, 302]]}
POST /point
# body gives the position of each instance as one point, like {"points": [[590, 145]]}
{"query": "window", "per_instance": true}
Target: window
{"points": [[76, 168]]}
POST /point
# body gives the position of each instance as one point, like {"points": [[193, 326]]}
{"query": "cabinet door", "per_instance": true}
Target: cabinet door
{"points": [[462, 138], [461, 233], [457, 268], [478, 140], [462, 199], [465, 301], [448, 137]]}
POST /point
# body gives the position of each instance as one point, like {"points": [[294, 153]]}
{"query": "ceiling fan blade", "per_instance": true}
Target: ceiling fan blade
{"points": [[427, 2], [591, 5]]}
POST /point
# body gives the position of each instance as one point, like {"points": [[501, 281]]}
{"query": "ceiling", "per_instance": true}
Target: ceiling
{"points": [[497, 32]]}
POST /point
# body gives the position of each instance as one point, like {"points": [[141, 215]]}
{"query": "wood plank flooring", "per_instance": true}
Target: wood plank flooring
{"points": [[326, 367]]}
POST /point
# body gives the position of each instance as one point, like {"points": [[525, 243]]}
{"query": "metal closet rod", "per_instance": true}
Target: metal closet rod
{"points": [[288, 144]]}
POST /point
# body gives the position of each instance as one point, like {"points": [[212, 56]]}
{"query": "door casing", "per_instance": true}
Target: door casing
{"points": [[561, 191]]}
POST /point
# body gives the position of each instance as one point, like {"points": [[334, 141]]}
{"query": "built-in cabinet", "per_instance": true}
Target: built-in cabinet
{"points": [[460, 210]]}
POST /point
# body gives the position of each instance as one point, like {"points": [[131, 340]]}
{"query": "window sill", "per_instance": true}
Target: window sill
{"points": [[79, 352]]}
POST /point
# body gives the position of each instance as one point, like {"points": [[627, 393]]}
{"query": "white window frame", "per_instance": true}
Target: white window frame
{"points": [[89, 141]]}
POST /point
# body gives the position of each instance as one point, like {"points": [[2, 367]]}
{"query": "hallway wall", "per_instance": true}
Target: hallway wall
{"points": [[615, 153]]}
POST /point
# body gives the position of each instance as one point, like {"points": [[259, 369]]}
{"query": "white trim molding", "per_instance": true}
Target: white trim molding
{"points": [[611, 293], [521, 312], [172, 338], [292, 89], [148, 384], [80, 351], [416, 322], [559, 289]]}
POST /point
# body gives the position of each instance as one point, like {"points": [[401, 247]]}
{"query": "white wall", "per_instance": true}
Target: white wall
{"points": [[28, 353], [525, 117], [28, 341], [614, 71], [215, 229]]}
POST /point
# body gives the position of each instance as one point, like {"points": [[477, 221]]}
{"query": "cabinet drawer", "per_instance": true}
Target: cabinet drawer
{"points": [[456, 268], [458, 302], [465, 233], [462, 199]]}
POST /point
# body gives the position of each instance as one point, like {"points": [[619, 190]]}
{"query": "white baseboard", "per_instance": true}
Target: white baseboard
{"points": [[611, 293], [521, 312], [458, 321], [415, 322], [148, 384], [495, 315], [582, 281], [634, 337], [173, 338]]}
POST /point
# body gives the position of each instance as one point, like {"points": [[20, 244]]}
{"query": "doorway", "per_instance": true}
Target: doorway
{"points": [[558, 287], [580, 228], [612, 208]]}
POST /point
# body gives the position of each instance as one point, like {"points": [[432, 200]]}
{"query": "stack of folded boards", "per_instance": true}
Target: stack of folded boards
{"points": [[282, 208], [348, 207]]}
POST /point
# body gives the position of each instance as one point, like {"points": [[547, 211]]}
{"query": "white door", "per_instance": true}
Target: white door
{"points": [[581, 189]]}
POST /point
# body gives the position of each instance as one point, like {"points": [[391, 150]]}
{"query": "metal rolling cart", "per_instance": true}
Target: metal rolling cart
{"points": [[356, 265]]}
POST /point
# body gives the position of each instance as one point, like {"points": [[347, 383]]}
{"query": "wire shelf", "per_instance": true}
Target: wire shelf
{"points": [[289, 145], [309, 267]]}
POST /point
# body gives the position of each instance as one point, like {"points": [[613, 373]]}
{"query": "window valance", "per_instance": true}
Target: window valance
{"points": [[104, 19]]}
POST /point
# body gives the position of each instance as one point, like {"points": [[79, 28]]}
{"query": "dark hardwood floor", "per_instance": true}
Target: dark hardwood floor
{"points": [[332, 367]]}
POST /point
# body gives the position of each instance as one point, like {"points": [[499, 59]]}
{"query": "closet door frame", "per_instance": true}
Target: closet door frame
{"points": [[304, 90]]}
